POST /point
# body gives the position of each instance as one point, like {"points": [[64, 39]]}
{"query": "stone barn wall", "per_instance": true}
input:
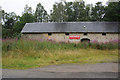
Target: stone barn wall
{"points": [[62, 37]]}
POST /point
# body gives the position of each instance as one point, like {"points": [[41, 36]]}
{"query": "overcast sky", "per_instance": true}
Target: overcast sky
{"points": [[17, 6]]}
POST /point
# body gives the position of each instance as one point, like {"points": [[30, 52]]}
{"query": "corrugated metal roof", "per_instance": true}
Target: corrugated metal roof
{"points": [[71, 27]]}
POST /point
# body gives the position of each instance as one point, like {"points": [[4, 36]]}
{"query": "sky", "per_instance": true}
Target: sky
{"points": [[17, 6]]}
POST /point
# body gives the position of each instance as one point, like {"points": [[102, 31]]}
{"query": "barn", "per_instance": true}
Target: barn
{"points": [[72, 32]]}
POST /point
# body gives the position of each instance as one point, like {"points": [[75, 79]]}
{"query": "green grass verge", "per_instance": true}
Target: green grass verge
{"points": [[32, 54], [41, 58]]}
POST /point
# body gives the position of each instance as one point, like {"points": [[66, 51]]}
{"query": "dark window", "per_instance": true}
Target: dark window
{"points": [[85, 34], [104, 34], [67, 34], [49, 34]]}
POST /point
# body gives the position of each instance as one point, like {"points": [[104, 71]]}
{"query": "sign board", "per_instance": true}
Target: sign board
{"points": [[74, 37]]}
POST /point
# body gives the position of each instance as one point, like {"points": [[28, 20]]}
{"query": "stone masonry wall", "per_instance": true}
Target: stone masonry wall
{"points": [[62, 37]]}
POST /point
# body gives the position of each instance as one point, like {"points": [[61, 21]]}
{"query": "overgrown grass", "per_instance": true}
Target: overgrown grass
{"points": [[26, 45], [28, 54]]}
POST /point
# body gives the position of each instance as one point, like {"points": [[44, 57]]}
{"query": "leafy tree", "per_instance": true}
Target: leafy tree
{"points": [[8, 21], [0, 16], [58, 13], [79, 11], [76, 11], [27, 9], [54, 13], [27, 17], [112, 11], [87, 14], [69, 11], [5, 16], [98, 12], [7, 33], [41, 14], [83, 13]]}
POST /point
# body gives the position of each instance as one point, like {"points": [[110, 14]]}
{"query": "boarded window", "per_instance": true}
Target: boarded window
{"points": [[85, 34], [67, 34], [49, 34], [104, 34]]}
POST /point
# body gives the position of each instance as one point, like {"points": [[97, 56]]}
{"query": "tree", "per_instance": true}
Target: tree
{"points": [[8, 21], [0, 23], [27, 17], [27, 9], [13, 24], [77, 11], [98, 12], [83, 12], [9, 17], [0, 13], [87, 15], [5, 17], [54, 13], [112, 11], [41, 14], [69, 11], [58, 13]]}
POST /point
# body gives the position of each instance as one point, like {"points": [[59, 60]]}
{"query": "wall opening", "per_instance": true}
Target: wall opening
{"points": [[103, 34], [85, 40], [85, 34], [67, 34], [49, 34]]}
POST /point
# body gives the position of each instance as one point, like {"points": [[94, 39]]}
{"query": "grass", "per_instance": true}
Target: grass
{"points": [[31, 54]]}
